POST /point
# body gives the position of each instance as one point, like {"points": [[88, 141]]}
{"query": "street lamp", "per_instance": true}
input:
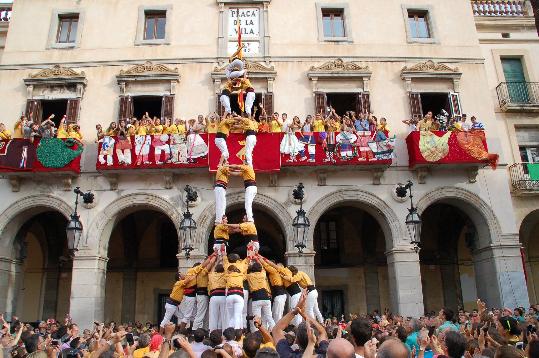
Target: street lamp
{"points": [[301, 222], [74, 226], [188, 225], [413, 219]]}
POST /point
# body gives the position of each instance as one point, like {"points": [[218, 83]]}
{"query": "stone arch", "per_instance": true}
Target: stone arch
{"points": [[481, 214], [101, 228], [268, 204], [386, 217], [22, 210], [526, 225]]}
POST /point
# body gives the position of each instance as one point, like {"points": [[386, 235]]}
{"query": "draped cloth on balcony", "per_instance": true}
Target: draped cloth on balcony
{"points": [[432, 147], [472, 143]]}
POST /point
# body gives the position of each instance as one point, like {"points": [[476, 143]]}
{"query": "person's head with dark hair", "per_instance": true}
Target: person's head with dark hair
{"points": [[455, 344], [232, 258], [209, 354], [32, 343], [251, 343], [229, 334], [488, 352], [293, 269], [266, 352], [506, 351], [199, 335], [340, 348], [533, 349], [447, 314], [361, 330], [392, 348], [233, 268], [239, 334], [255, 267], [471, 346], [219, 268], [401, 334], [507, 327], [144, 340], [519, 312], [302, 339], [216, 337]]}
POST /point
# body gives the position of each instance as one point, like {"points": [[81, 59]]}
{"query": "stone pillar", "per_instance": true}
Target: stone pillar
{"points": [[10, 282], [499, 276], [405, 287], [185, 264], [304, 262], [372, 287], [88, 290]]}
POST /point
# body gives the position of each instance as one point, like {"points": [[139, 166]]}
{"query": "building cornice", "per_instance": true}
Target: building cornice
{"points": [[507, 24]]}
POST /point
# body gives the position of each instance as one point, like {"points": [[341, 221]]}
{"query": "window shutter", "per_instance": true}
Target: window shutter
{"points": [[33, 110], [167, 108], [267, 103], [416, 111], [126, 107], [220, 109], [72, 111], [365, 102], [320, 103], [454, 104]]}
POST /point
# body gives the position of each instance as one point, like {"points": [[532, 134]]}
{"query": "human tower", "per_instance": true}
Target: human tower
{"points": [[228, 289]]}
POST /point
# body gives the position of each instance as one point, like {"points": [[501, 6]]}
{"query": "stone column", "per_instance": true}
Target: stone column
{"points": [[88, 290], [499, 276], [304, 262], [10, 282], [405, 287]]}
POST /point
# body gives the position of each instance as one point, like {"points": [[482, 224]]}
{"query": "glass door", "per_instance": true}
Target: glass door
{"points": [[516, 81]]}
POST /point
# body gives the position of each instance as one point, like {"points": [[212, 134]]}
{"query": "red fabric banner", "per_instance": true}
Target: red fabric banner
{"points": [[46, 155], [437, 147], [153, 151], [344, 148], [266, 156]]}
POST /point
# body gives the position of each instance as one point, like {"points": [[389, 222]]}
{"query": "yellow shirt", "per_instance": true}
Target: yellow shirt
{"points": [[319, 126], [275, 127], [333, 126], [131, 131], [17, 130], [172, 129], [301, 278], [248, 173], [142, 130], [242, 265], [274, 278], [181, 128], [224, 125], [220, 232], [62, 133], [202, 278], [139, 353], [177, 290], [5, 135], [235, 86], [285, 273], [158, 129], [249, 125], [222, 174], [424, 125], [234, 279], [193, 271], [75, 135], [248, 228], [258, 281], [216, 280], [212, 127]]}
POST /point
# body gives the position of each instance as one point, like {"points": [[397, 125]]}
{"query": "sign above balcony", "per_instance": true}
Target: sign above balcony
{"points": [[148, 71], [431, 70]]}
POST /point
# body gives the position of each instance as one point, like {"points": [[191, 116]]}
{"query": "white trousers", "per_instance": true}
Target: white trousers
{"points": [[217, 313], [246, 307], [221, 144], [262, 309], [312, 308], [294, 299], [278, 307], [225, 102], [250, 193], [187, 309], [250, 143], [220, 203], [249, 101], [202, 309], [170, 310], [234, 308]]}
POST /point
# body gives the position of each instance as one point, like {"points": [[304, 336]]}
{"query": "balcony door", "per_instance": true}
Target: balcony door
{"points": [[516, 81]]}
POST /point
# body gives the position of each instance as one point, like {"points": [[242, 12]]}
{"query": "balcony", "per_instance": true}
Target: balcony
{"points": [[499, 8], [524, 178], [518, 96]]}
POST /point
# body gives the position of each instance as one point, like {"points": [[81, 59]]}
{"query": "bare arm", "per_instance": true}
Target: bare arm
{"points": [[263, 331]]}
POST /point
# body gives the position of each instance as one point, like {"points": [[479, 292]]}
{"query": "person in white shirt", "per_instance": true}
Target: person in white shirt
{"points": [[197, 345]]}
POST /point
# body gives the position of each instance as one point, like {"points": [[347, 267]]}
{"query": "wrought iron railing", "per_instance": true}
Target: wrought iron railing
{"points": [[524, 176], [499, 8], [5, 13], [518, 93]]}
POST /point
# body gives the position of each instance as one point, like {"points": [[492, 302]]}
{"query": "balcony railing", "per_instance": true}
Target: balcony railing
{"points": [[518, 96], [5, 13], [524, 177], [499, 8]]}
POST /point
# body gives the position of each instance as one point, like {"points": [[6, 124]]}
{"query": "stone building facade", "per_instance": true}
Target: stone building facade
{"points": [[88, 57]]}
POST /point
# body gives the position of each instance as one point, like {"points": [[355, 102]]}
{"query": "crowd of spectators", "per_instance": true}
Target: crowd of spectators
{"points": [[493, 333]]}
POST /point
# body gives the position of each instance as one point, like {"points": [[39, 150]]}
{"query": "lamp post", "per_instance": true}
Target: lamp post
{"points": [[301, 222], [74, 226], [188, 225], [413, 219]]}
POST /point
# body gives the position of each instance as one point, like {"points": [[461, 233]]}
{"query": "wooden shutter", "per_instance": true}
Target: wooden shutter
{"points": [[363, 103], [454, 104], [72, 112], [33, 110], [219, 108], [167, 108], [267, 103], [320, 103], [126, 107], [416, 110]]}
